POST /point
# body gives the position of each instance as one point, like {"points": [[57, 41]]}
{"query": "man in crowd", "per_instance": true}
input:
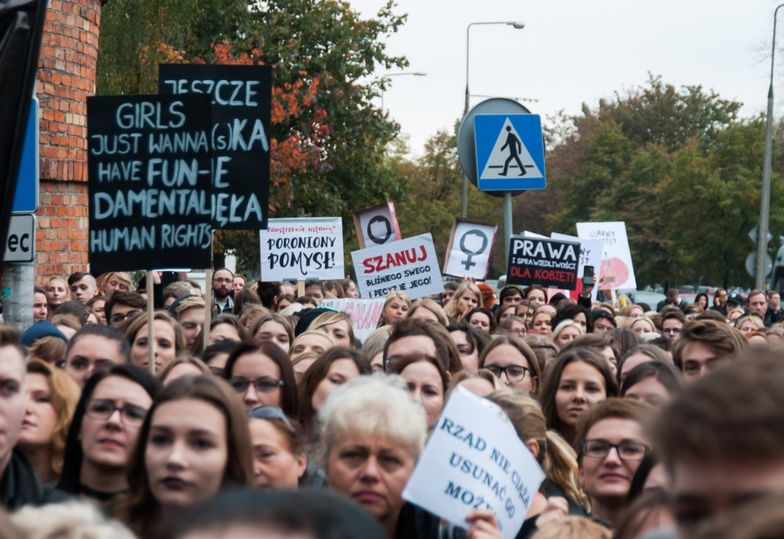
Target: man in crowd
{"points": [[774, 306], [672, 323], [721, 441], [93, 347], [19, 485], [671, 298], [83, 287], [758, 305], [122, 306], [222, 287], [704, 345]]}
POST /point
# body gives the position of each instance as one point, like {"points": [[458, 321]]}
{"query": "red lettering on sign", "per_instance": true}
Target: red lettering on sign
{"points": [[394, 260]]}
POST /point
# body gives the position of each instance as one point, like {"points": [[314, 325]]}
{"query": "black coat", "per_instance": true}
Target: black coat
{"points": [[19, 485]]}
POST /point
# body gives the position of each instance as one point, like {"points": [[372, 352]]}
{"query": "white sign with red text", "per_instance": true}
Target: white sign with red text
{"points": [[409, 265], [364, 313]]}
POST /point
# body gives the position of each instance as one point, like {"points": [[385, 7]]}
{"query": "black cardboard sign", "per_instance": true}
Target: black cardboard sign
{"points": [[542, 261], [239, 136], [149, 174]]}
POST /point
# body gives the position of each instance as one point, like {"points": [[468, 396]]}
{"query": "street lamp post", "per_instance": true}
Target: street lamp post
{"points": [[762, 233], [517, 25], [401, 74]]}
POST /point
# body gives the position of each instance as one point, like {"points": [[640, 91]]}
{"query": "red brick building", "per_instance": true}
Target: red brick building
{"points": [[66, 77]]}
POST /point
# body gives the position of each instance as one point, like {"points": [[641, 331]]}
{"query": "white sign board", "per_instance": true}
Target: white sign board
{"points": [[302, 248], [20, 242], [616, 269], [377, 225], [409, 265], [590, 255], [364, 313], [470, 248], [475, 460]]}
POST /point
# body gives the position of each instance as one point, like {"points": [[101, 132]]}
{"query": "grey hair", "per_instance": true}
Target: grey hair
{"points": [[377, 404], [72, 520]]}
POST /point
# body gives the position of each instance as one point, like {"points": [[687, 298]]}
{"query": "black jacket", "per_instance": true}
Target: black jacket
{"points": [[19, 485]]}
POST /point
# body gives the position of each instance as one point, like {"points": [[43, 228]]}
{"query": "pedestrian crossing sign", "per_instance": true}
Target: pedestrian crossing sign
{"points": [[509, 152]]}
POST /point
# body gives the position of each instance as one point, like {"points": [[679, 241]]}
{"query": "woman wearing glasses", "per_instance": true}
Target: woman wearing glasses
{"points": [[279, 458], [512, 362], [611, 443], [261, 374], [104, 430], [193, 443]]}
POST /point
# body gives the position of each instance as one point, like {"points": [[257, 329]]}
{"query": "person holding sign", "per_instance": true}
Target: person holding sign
{"points": [[373, 434]]}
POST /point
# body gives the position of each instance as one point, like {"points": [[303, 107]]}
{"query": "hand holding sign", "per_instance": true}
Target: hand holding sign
{"points": [[470, 249]]}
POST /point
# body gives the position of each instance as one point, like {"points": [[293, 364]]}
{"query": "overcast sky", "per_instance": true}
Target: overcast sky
{"points": [[574, 52]]}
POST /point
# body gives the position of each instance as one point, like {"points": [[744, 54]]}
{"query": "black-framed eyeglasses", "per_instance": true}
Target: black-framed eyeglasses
{"points": [[131, 414], [628, 451], [261, 385], [121, 317], [514, 373], [272, 413]]}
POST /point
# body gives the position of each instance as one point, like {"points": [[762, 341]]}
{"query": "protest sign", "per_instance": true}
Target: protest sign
{"points": [[364, 313], [238, 138], [377, 225], [616, 269], [302, 248], [409, 265], [475, 460], [149, 182], [590, 256], [470, 249], [544, 262]]}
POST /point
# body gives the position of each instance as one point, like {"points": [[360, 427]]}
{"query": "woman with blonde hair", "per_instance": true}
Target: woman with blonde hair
{"points": [[395, 307], [556, 457], [51, 401], [467, 297], [337, 325], [427, 309]]}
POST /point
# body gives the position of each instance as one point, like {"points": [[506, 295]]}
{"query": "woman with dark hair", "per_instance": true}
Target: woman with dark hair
{"points": [[100, 441], [272, 327], [510, 295], [512, 362], [193, 443], [640, 354], [469, 343], [571, 311], [652, 382], [331, 370], [579, 378], [427, 380], [51, 400], [216, 355], [261, 374], [482, 319], [701, 299], [503, 312], [226, 327], [244, 297]]}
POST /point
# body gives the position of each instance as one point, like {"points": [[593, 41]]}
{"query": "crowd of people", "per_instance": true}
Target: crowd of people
{"points": [[276, 421]]}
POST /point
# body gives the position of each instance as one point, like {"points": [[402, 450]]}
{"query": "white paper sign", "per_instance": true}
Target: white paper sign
{"points": [[590, 255], [302, 248], [409, 265], [364, 313], [377, 225], [469, 253], [616, 269], [475, 460]]}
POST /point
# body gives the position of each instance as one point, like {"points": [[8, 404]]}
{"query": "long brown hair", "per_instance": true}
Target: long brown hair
{"points": [[139, 508]]}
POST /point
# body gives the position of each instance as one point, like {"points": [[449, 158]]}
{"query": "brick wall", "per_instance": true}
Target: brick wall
{"points": [[66, 76]]}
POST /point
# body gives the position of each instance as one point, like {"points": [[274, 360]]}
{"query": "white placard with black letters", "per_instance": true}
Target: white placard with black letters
{"points": [[377, 225], [470, 249]]}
